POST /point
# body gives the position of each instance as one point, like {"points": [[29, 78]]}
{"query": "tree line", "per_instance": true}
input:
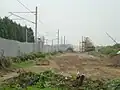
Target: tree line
{"points": [[13, 31]]}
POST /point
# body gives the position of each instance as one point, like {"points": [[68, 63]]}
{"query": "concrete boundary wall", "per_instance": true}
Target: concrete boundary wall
{"points": [[15, 48]]}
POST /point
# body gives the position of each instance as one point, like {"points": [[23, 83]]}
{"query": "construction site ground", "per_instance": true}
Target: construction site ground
{"points": [[70, 63]]}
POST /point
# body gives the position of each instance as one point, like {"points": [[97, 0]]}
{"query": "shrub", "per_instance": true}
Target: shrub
{"points": [[53, 53], [60, 51], [113, 84], [109, 50], [5, 62], [31, 56]]}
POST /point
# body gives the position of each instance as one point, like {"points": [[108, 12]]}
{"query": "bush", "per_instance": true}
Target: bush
{"points": [[27, 57], [109, 50], [31, 56], [113, 84], [60, 51], [53, 53], [5, 62]]}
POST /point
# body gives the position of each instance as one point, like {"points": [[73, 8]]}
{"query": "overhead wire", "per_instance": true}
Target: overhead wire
{"points": [[9, 15], [24, 6], [22, 18], [28, 9]]}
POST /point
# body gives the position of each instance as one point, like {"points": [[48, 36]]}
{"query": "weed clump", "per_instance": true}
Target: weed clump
{"points": [[49, 79]]}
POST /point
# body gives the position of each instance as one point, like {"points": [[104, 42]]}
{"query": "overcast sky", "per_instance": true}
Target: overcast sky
{"points": [[74, 18]]}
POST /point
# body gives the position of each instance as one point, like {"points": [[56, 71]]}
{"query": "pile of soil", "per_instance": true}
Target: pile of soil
{"points": [[43, 62]]}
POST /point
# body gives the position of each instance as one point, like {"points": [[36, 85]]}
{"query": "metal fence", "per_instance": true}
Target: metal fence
{"points": [[15, 48]]}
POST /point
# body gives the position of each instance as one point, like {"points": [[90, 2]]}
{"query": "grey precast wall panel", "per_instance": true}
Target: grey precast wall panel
{"points": [[46, 48], [10, 47], [26, 47], [14, 48]]}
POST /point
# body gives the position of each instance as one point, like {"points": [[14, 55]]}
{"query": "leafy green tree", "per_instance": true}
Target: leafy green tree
{"points": [[13, 31]]}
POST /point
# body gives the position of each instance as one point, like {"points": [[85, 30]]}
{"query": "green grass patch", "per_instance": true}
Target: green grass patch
{"points": [[23, 64]]}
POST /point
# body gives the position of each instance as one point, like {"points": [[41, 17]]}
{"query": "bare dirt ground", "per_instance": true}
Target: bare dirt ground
{"points": [[92, 66], [70, 63]]}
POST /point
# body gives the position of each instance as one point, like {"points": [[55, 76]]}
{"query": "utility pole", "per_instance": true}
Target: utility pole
{"points": [[52, 45], [58, 39], [82, 43], [36, 29], [26, 36], [35, 12], [61, 40], [43, 42], [64, 40], [79, 46]]}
